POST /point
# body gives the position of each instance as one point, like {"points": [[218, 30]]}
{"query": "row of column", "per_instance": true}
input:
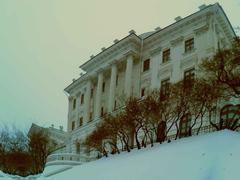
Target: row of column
{"points": [[112, 87]]}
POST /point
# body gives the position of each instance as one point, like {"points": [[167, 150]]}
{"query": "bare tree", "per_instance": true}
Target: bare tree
{"points": [[224, 68], [40, 146], [134, 118]]}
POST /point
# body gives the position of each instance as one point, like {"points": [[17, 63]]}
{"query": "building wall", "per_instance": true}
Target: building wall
{"points": [[208, 31]]}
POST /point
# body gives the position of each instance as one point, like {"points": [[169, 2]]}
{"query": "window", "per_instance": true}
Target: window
{"points": [[142, 92], [102, 112], [74, 103], [91, 93], [166, 55], [116, 80], [82, 98], [185, 124], [189, 45], [90, 116], [78, 148], [73, 125], [146, 65], [87, 150], [189, 78], [103, 86], [80, 121], [189, 74], [115, 105], [165, 87]]}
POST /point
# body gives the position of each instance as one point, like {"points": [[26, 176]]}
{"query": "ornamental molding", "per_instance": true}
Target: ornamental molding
{"points": [[165, 70], [171, 32], [130, 43], [189, 61], [201, 30], [116, 56], [176, 41], [155, 51], [145, 77]]}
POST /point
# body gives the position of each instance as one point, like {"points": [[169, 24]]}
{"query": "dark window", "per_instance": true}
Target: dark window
{"points": [[189, 45], [185, 124], [82, 98], [73, 125], [142, 92], [87, 151], [102, 112], [90, 116], [92, 93], [166, 55], [74, 103], [80, 121], [146, 65], [189, 78], [115, 105], [78, 148], [103, 86], [165, 84], [116, 80]]}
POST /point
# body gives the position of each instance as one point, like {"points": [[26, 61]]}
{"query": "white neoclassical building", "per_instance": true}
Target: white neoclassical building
{"points": [[137, 64]]}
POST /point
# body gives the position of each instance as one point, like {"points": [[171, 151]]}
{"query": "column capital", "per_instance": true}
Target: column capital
{"points": [[114, 62], [70, 98], [130, 53], [155, 51]]}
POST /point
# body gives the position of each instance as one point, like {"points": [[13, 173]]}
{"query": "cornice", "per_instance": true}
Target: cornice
{"points": [[81, 81], [176, 41], [155, 51], [201, 30], [116, 56], [176, 29], [132, 41]]}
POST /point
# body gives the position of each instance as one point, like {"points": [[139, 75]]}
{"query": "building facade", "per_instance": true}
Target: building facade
{"points": [[137, 64]]}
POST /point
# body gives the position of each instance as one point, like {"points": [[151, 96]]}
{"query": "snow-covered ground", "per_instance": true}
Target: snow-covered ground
{"points": [[214, 156]]}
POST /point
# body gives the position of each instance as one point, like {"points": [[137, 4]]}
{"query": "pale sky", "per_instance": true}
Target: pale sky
{"points": [[42, 43]]}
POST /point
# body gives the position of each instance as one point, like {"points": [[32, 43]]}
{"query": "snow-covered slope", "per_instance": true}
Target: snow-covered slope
{"points": [[214, 156]]}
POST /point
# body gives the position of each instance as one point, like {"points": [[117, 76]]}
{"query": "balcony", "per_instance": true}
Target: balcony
{"points": [[67, 159]]}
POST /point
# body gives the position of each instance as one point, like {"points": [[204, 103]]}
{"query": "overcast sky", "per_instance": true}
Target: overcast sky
{"points": [[42, 43]]}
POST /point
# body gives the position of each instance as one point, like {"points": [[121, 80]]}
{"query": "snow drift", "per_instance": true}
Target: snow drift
{"points": [[212, 156]]}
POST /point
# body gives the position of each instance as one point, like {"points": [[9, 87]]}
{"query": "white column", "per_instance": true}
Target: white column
{"points": [[69, 112], [128, 76], [112, 88], [87, 100], [98, 96]]}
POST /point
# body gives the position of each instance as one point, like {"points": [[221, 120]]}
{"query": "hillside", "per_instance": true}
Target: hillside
{"points": [[213, 156]]}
